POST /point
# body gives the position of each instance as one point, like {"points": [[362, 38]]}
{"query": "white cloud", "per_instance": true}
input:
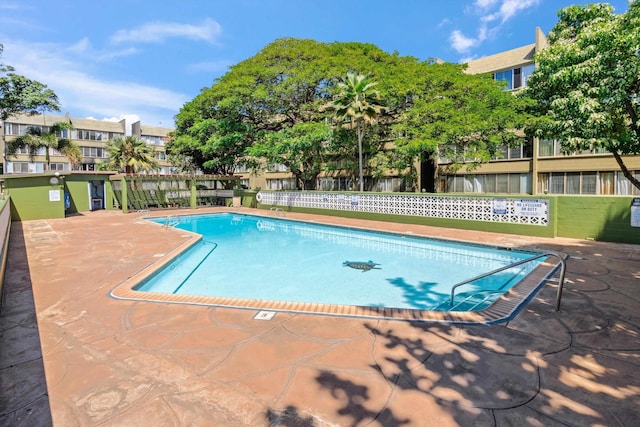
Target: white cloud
{"points": [[463, 44], [510, 7], [485, 4], [155, 32], [82, 92], [507, 9], [489, 11], [460, 42]]}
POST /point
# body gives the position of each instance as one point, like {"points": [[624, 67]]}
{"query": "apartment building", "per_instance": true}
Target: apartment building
{"points": [[89, 134], [537, 166]]}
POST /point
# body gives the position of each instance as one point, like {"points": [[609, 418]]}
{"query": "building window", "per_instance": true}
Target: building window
{"points": [[281, 184], [515, 77], [89, 135], [589, 183], [54, 167], [389, 184], [334, 184], [277, 168], [605, 183], [573, 183], [153, 140], [20, 167], [506, 183], [506, 76], [95, 152], [548, 148]]}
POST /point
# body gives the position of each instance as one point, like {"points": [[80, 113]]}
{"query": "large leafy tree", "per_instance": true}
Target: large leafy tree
{"points": [[47, 138], [130, 154], [214, 145], [19, 94], [358, 103], [301, 148], [587, 84], [265, 100], [285, 85], [457, 116]]}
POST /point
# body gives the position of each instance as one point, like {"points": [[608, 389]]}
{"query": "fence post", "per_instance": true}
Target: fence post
{"points": [[125, 197]]}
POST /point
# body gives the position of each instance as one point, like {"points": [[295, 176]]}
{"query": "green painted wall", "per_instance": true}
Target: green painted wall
{"points": [[78, 188], [31, 197], [5, 231], [605, 218]]}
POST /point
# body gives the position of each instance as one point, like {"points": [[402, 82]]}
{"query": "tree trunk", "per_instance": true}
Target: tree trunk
{"points": [[360, 135], [625, 171]]}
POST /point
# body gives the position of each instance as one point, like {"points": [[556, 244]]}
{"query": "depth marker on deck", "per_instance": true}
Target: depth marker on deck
{"points": [[264, 315]]}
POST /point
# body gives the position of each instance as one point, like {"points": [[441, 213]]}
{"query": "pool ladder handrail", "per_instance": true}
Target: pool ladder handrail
{"points": [[277, 211], [142, 214], [515, 264], [171, 221]]}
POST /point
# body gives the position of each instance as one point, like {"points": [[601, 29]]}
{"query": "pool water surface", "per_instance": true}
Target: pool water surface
{"points": [[273, 259]]}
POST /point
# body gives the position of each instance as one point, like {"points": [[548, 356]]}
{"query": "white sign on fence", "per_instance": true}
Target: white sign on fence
{"points": [[531, 207], [499, 206], [635, 212]]}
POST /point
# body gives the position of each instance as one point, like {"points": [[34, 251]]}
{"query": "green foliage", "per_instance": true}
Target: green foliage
{"points": [[358, 102], [272, 106], [587, 85], [130, 154], [301, 148], [214, 145], [464, 118], [38, 137], [19, 94]]}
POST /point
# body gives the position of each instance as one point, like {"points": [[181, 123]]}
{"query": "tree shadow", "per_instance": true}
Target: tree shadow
{"points": [[573, 367], [289, 417], [421, 296]]}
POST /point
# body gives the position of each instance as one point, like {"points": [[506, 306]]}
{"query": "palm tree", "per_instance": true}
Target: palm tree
{"points": [[38, 137], [130, 154], [357, 102]]}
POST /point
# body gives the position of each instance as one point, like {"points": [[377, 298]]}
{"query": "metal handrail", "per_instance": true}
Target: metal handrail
{"points": [[515, 264], [171, 221]]}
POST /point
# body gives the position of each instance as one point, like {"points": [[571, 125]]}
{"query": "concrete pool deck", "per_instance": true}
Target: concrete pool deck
{"points": [[115, 362]]}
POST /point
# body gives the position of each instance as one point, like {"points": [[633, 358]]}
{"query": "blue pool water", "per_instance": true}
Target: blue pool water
{"points": [[251, 257]]}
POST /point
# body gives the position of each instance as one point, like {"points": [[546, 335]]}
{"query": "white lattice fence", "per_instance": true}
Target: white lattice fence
{"points": [[488, 209]]}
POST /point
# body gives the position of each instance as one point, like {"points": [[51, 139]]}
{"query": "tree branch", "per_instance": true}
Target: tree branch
{"points": [[625, 171]]}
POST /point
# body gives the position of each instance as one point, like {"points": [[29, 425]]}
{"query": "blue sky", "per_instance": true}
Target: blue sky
{"points": [[143, 59]]}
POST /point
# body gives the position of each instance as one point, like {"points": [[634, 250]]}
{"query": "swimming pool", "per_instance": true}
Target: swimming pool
{"points": [[278, 263]]}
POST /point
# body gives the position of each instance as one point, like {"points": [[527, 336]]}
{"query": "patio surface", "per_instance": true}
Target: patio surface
{"points": [[111, 362]]}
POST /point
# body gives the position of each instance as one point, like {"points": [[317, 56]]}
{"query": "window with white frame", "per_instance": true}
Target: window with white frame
{"points": [[95, 152], [20, 167], [277, 168], [281, 184], [54, 167], [604, 183], [153, 140], [515, 77], [89, 135]]}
